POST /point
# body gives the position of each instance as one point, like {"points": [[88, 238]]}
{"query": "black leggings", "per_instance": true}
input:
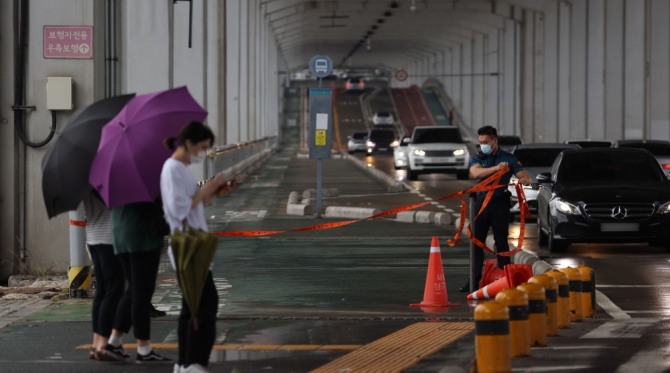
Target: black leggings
{"points": [[195, 346], [108, 287], [140, 270]]}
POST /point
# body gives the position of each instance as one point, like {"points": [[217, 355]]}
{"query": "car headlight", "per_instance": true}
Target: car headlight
{"points": [[401, 154], [419, 152], [370, 144], [395, 143], [566, 208], [664, 209], [459, 152]]}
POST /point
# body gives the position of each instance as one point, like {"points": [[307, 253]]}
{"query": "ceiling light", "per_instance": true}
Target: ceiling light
{"points": [[412, 8]]}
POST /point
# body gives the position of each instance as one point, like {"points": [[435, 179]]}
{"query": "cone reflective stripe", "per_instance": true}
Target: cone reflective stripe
{"points": [[588, 290], [550, 291], [519, 329], [515, 274], [563, 300], [492, 347], [575, 288], [435, 291], [537, 313]]}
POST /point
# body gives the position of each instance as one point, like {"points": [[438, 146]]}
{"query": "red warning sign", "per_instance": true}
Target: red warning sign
{"points": [[401, 75]]}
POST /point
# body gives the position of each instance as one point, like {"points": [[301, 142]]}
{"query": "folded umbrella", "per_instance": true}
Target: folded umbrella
{"points": [[193, 252], [132, 149], [67, 163]]}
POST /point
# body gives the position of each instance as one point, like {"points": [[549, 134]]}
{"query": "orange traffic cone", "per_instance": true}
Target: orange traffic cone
{"points": [[491, 272], [515, 275], [435, 292]]}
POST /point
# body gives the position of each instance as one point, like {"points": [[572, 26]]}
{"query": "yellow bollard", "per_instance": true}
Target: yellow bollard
{"points": [[519, 329], [588, 290], [563, 300], [575, 285], [550, 293], [537, 313], [492, 348]]}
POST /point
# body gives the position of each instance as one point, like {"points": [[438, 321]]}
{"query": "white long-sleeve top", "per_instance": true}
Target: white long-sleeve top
{"points": [[178, 186]]}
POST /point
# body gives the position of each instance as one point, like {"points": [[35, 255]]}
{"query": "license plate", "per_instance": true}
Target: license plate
{"points": [[619, 227], [383, 149], [440, 160]]}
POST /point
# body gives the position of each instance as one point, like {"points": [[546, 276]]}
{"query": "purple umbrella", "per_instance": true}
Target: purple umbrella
{"points": [[131, 154]]}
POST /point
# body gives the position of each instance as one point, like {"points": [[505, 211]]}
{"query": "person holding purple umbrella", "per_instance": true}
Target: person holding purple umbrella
{"points": [[183, 205]]}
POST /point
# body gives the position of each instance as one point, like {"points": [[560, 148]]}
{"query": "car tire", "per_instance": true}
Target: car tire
{"points": [[555, 245], [412, 175]]}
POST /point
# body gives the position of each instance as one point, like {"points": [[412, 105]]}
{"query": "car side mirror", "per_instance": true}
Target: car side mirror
{"points": [[543, 177]]}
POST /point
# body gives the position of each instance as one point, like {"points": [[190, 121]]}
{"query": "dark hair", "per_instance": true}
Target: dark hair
{"points": [[194, 132], [488, 131]]}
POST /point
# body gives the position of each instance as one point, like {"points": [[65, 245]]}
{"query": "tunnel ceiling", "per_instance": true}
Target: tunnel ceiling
{"points": [[380, 33]]}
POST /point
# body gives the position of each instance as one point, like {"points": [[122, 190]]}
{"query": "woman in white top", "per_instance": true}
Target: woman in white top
{"points": [[183, 205]]}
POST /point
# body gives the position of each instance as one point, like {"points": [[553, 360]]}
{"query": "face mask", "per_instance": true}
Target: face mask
{"points": [[486, 148], [198, 158]]}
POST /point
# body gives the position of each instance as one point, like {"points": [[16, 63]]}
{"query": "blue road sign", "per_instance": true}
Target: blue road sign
{"points": [[321, 66]]}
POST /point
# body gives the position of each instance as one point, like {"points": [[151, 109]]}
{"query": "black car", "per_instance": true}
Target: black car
{"points": [[615, 195], [380, 140]]}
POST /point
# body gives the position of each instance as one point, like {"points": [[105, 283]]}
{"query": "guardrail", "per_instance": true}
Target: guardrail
{"points": [[237, 160]]}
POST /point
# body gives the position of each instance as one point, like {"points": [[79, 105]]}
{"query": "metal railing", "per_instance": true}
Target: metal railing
{"points": [[236, 160]]}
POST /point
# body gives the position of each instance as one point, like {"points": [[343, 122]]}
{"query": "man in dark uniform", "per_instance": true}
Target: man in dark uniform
{"points": [[488, 161]]}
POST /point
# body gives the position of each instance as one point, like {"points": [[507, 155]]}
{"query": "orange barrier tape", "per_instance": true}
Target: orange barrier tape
{"points": [[488, 185], [78, 223]]}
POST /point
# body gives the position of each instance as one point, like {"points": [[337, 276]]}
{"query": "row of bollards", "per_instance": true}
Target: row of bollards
{"points": [[522, 317]]}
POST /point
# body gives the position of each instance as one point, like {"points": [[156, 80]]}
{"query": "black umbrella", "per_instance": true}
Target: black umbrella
{"points": [[67, 163]]}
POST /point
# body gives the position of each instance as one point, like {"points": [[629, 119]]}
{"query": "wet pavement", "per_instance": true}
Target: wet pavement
{"points": [[297, 301]]}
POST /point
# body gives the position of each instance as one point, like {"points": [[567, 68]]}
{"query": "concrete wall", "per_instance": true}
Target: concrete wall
{"points": [[567, 69], [231, 69]]}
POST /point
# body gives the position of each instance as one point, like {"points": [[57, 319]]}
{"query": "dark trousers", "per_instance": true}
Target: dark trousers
{"points": [[109, 283], [495, 216], [195, 346], [140, 270]]}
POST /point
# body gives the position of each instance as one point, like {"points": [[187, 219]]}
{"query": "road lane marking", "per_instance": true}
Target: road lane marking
{"points": [[646, 361], [608, 306], [633, 286]]}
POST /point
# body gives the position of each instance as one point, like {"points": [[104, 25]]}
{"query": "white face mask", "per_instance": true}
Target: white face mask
{"points": [[198, 158]]}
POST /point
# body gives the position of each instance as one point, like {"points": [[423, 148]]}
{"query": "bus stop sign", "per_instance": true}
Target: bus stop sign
{"points": [[321, 66]]}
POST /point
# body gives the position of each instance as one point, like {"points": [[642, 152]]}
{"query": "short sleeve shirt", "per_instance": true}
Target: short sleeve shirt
{"points": [[490, 160]]}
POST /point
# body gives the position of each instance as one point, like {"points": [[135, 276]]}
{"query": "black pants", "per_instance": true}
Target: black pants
{"points": [[140, 270], [195, 346], [495, 216], [108, 288]]}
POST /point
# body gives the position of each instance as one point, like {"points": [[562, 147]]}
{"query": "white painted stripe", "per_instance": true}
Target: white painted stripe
{"points": [[580, 347], [660, 312], [633, 286], [551, 368], [608, 306], [474, 296], [434, 203], [427, 199], [172, 337], [629, 328], [450, 210], [646, 361]]}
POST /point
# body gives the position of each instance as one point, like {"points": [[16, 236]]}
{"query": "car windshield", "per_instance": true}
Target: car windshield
{"points": [[654, 148], [537, 157], [591, 144], [359, 135], [610, 167], [431, 135], [383, 114]]}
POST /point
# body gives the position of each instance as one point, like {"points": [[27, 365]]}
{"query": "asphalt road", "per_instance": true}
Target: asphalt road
{"points": [[292, 302]]}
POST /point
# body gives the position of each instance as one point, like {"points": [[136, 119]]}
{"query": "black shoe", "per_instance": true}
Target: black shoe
{"points": [[465, 288], [152, 357], [155, 312], [116, 353]]}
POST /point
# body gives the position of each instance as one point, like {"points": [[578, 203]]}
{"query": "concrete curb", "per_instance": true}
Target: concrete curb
{"points": [[393, 185]]}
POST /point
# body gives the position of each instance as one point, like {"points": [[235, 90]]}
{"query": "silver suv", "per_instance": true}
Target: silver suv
{"points": [[437, 149]]}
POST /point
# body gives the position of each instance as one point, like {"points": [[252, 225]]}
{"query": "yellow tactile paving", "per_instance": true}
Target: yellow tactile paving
{"points": [[401, 349]]}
